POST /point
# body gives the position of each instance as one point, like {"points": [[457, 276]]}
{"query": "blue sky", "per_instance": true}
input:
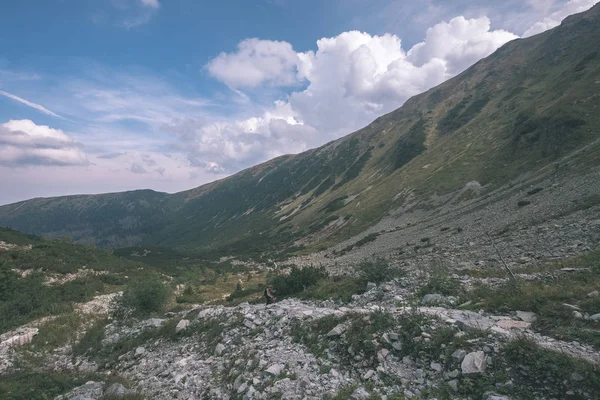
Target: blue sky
{"points": [[111, 95]]}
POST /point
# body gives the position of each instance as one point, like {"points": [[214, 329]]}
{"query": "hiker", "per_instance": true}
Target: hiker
{"points": [[269, 295]]}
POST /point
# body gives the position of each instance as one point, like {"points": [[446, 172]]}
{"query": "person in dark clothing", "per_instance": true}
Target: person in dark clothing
{"points": [[269, 295]]}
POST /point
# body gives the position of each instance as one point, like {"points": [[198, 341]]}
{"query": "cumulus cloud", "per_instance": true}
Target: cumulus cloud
{"points": [[23, 143], [460, 42], [256, 62], [570, 7], [348, 81]]}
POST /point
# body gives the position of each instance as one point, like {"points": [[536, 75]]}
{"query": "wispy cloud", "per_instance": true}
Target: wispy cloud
{"points": [[28, 103]]}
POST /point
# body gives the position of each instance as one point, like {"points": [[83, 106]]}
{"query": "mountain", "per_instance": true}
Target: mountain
{"points": [[518, 112]]}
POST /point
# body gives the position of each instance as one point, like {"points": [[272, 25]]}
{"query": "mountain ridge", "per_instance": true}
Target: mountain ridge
{"points": [[516, 111]]}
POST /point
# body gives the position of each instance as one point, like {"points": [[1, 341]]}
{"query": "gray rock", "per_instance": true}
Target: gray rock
{"points": [[397, 346], [360, 394], [393, 336], [337, 331], [432, 299], [275, 369], [453, 385], [183, 324], [371, 286], [526, 316], [242, 388], [117, 391], [437, 367], [494, 396], [219, 349], [90, 391], [593, 294], [368, 375], [140, 351], [595, 317], [458, 355], [474, 363]]}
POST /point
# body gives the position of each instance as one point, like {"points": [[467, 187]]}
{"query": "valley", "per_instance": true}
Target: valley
{"points": [[448, 250]]}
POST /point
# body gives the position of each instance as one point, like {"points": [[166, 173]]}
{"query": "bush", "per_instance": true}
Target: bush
{"points": [[377, 271], [298, 280], [145, 296]]}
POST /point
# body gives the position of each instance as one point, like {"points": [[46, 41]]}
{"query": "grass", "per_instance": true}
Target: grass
{"points": [[32, 385], [538, 372], [547, 299]]}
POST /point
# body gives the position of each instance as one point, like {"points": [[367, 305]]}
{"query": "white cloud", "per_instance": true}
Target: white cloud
{"points": [[151, 3], [256, 62], [350, 80], [29, 104], [460, 42], [23, 143], [570, 7]]}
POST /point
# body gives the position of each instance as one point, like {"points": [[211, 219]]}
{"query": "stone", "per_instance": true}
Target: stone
{"points": [[397, 346], [494, 396], [526, 316], [359, 394], [242, 388], [595, 317], [117, 391], [453, 385], [593, 294], [458, 355], [183, 324], [393, 336], [219, 349], [432, 299], [437, 367], [275, 369], [512, 324], [90, 391], [140, 351], [337, 331], [371, 286], [368, 375], [474, 363], [453, 374]]}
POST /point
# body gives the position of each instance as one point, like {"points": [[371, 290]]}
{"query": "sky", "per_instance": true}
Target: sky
{"points": [[110, 95]]}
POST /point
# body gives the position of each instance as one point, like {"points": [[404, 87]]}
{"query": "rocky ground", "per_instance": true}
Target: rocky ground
{"points": [[375, 345], [531, 220]]}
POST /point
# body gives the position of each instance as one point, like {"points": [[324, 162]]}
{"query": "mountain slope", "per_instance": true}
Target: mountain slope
{"points": [[518, 111]]}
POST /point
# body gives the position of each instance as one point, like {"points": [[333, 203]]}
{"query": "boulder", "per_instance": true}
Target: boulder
{"points": [[474, 363], [117, 391], [183, 324], [140, 351], [526, 316], [595, 317], [432, 299], [275, 369], [219, 349], [360, 394], [458, 355], [337, 331]]}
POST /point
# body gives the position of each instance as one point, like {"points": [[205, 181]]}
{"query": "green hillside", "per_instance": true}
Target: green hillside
{"points": [[518, 111], [28, 262]]}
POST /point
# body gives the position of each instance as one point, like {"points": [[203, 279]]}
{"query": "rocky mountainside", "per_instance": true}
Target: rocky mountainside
{"points": [[530, 110]]}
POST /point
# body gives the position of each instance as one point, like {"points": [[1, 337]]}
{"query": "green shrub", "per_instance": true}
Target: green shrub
{"points": [[377, 271], [297, 281], [145, 296]]}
